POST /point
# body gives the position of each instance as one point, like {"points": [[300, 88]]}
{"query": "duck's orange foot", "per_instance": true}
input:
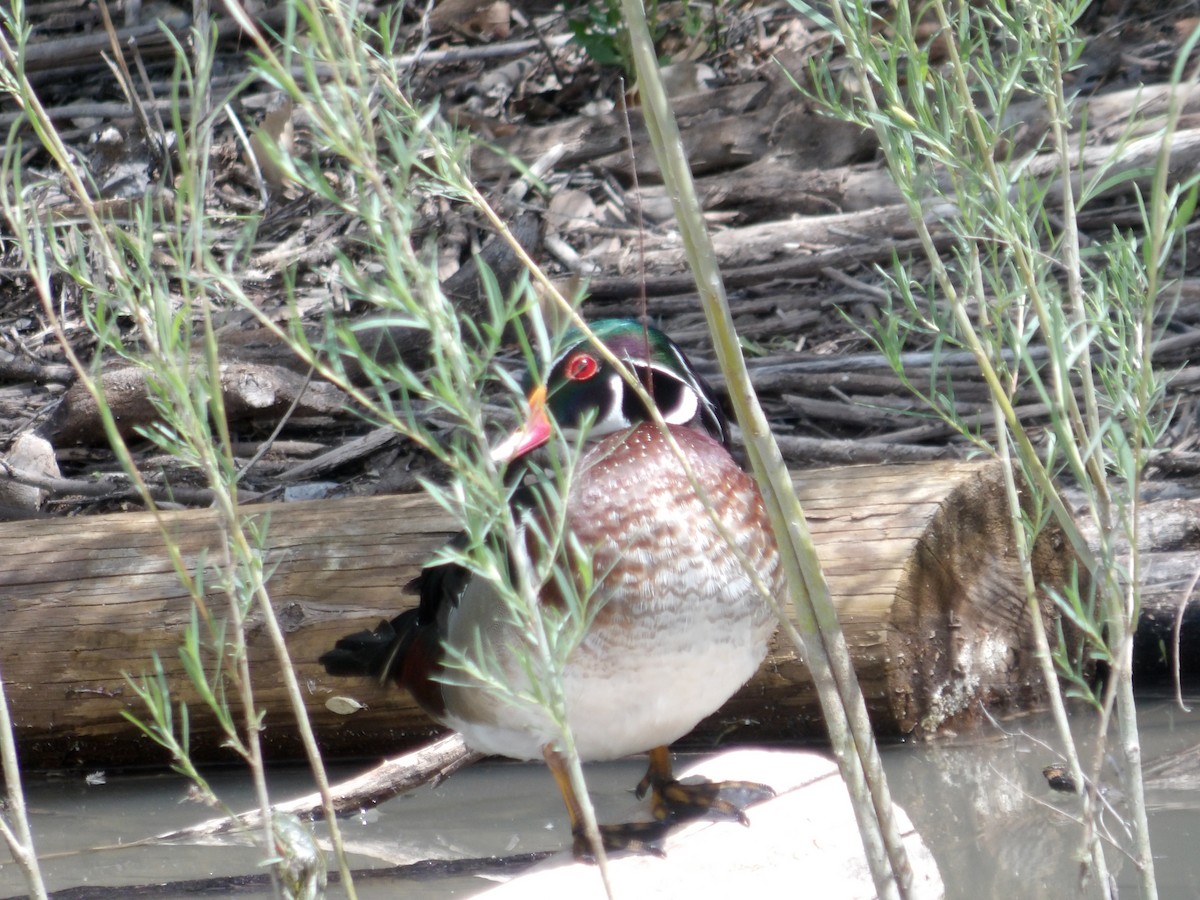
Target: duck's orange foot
{"points": [[630, 837], [676, 801]]}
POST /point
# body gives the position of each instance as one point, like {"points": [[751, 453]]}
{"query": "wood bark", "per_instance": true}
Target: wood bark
{"points": [[918, 559], [874, 211], [1168, 633], [921, 564], [263, 378]]}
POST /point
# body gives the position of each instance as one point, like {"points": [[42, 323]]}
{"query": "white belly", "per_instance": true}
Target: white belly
{"points": [[619, 713]]}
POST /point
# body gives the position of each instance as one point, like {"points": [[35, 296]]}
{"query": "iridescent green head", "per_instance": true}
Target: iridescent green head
{"points": [[581, 385]]}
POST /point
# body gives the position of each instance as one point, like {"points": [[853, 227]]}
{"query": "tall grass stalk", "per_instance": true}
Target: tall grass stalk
{"points": [[111, 267], [1015, 277], [819, 637], [14, 827], [344, 80]]}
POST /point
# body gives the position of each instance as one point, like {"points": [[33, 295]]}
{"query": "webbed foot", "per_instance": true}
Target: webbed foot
{"points": [[677, 801], [672, 802], [629, 837]]}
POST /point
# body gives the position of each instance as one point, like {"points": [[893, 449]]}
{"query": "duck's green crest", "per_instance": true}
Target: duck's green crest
{"points": [[581, 382]]}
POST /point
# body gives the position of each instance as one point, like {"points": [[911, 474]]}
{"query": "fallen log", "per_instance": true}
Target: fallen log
{"points": [[918, 558], [1167, 642], [714, 126], [391, 778], [262, 377]]}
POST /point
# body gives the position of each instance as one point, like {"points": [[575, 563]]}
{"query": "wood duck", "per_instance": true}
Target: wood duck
{"points": [[678, 625]]}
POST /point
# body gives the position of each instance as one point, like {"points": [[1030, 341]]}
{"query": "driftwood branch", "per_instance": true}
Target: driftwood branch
{"points": [[259, 380], [392, 777]]}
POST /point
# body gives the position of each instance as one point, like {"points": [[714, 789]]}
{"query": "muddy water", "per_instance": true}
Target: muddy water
{"points": [[980, 801]]}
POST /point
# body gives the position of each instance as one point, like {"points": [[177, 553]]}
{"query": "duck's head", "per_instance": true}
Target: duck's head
{"points": [[583, 386]]}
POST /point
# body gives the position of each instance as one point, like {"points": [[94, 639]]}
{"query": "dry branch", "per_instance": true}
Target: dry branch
{"points": [[392, 777], [259, 378]]}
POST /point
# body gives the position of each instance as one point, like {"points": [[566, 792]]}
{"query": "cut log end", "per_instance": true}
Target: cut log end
{"points": [[922, 566], [970, 637]]}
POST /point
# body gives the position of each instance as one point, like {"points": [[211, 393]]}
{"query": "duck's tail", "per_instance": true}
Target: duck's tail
{"points": [[377, 654]]}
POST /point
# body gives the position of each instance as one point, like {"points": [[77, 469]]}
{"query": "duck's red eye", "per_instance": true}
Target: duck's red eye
{"points": [[581, 367]]}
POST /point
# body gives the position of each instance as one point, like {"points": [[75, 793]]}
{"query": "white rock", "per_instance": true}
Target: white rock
{"points": [[35, 456], [802, 843]]}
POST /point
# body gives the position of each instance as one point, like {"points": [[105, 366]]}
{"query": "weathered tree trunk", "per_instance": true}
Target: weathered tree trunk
{"points": [[919, 559]]}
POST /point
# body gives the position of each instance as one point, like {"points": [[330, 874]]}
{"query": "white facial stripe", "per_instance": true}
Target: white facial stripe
{"points": [[613, 418], [690, 397], [609, 419], [689, 403]]}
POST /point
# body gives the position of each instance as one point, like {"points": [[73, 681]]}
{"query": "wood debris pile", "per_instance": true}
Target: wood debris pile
{"points": [[802, 211]]}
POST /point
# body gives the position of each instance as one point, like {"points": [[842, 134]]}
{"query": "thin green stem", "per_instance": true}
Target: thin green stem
{"points": [[1105, 429], [19, 836], [823, 646]]}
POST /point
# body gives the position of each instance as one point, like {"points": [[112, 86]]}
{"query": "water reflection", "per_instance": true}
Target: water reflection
{"points": [[999, 832], [980, 801]]}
